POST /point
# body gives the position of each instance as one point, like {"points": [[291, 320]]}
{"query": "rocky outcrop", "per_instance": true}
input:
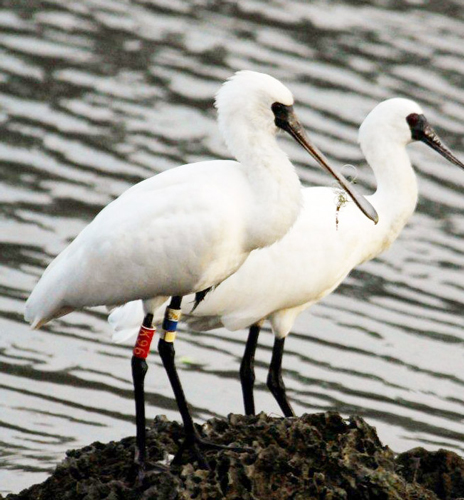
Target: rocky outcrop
{"points": [[320, 456]]}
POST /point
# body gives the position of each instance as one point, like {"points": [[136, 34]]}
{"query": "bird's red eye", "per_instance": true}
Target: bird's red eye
{"points": [[417, 124], [413, 119]]}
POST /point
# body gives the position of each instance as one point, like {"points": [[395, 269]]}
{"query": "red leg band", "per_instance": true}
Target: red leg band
{"points": [[142, 345]]}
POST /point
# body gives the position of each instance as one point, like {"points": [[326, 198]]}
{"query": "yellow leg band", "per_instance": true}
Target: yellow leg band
{"points": [[169, 336]]}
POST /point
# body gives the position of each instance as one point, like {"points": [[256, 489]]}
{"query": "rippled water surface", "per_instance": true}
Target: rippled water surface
{"points": [[96, 95]]}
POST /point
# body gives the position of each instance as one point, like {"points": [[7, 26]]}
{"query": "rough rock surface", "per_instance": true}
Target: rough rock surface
{"points": [[441, 471], [320, 456]]}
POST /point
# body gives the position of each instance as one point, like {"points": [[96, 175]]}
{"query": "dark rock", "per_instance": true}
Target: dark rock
{"points": [[314, 457], [441, 471]]}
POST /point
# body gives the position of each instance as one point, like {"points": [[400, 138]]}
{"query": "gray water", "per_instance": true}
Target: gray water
{"points": [[96, 95]]}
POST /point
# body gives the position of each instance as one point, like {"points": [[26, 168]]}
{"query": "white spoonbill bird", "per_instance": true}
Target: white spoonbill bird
{"points": [[279, 282], [186, 229]]}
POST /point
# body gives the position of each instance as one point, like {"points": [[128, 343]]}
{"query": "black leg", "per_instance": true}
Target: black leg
{"points": [[167, 353], [247, 369], [193, 441], [139, 370], [274, 380]]}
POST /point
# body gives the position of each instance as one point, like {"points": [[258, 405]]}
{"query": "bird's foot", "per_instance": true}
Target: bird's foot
{"points": [[141, 470], [194, 443]]}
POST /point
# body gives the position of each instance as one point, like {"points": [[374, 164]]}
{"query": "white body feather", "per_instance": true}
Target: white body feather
{"points": [[280, 281], [188, 228]]}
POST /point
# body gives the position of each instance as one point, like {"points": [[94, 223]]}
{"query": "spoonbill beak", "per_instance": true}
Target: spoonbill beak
{"points": [[286, 119], [421, 130]]}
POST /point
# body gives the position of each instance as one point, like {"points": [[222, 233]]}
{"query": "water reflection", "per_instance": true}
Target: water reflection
{"points": [[99, 94]]}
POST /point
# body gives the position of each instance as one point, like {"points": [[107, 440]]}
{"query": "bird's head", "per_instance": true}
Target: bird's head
{"points": [[252, 107], [248, 97], [402, 121]]}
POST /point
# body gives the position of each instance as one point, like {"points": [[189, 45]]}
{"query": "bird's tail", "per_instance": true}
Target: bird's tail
{"points": [[37, 320], [126, 320], [45, 302]]}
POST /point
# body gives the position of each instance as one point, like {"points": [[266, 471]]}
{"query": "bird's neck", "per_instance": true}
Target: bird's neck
{"points": [[275, 186], [396, 195]]}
